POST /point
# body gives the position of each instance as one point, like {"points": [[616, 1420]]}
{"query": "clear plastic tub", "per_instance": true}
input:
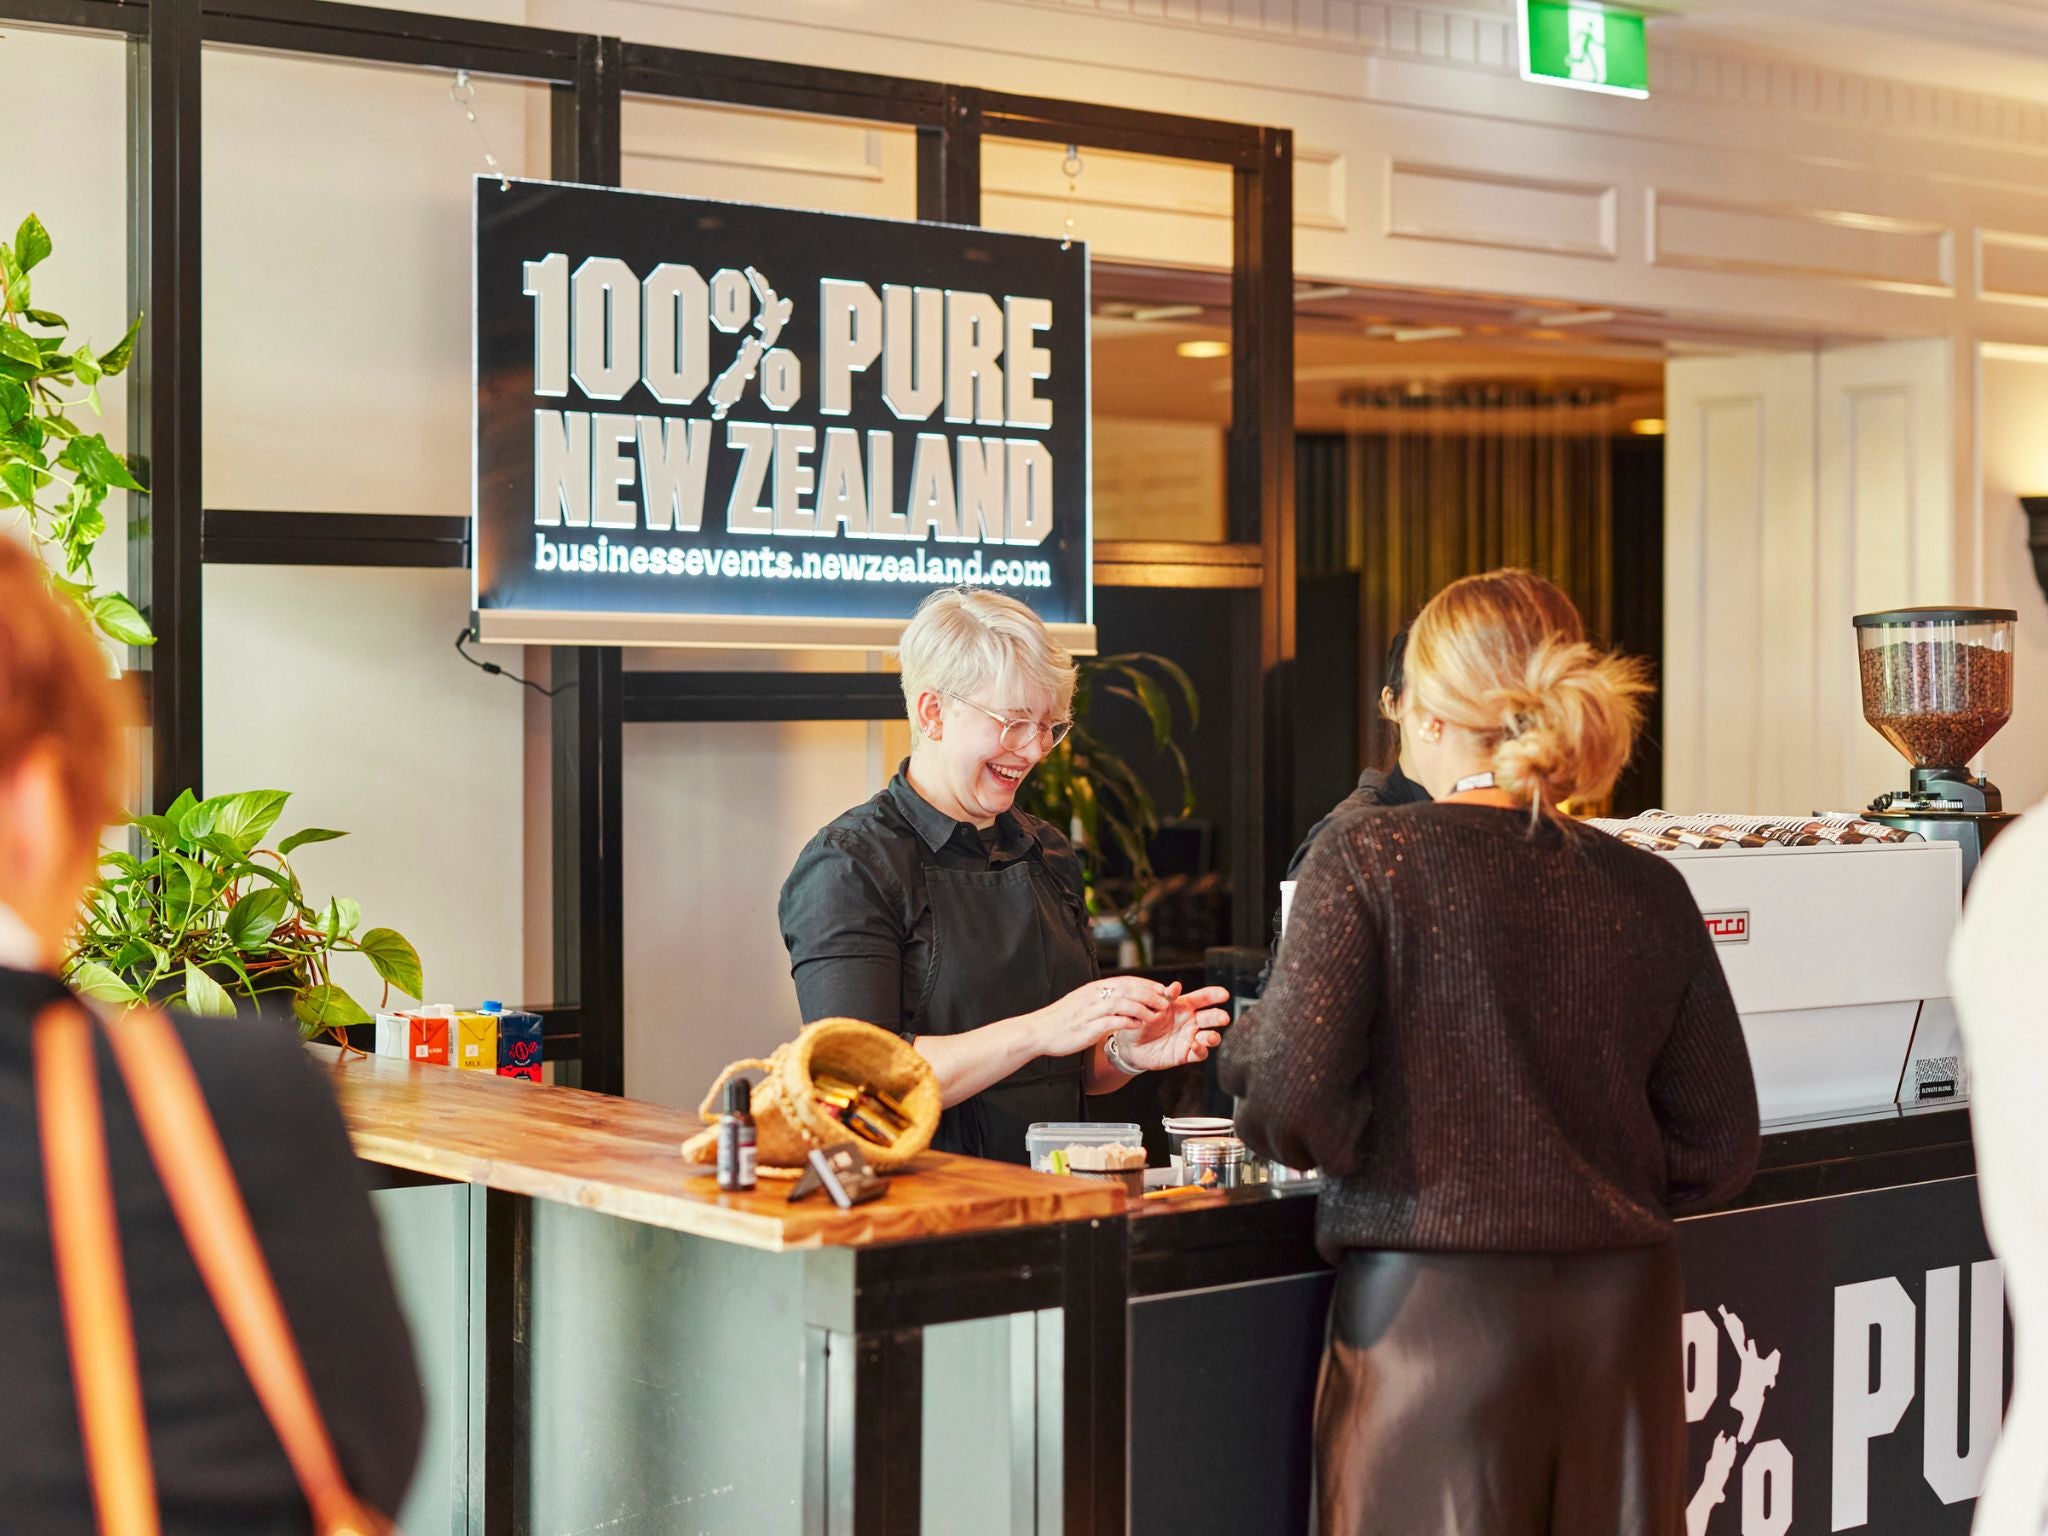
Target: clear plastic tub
{"points": [[1050, 1142], [1937, 682]]}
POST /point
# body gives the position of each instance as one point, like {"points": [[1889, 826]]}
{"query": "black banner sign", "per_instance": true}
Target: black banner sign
{"points": [[716, 423], [1845, 1364]]}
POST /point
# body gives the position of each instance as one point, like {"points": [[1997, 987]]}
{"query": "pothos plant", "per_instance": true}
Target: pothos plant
{"points": [[209, 913], [54, 474], [1088, 787]]}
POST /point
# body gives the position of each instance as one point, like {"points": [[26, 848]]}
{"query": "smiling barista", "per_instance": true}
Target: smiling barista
{"points": [[939, 911]]}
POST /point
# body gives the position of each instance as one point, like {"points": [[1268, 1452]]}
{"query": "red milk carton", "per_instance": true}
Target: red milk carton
{"points": [[427, 1038]]}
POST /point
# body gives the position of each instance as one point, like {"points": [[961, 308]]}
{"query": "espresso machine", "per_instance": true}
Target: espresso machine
{"points": [[1937, 685]]}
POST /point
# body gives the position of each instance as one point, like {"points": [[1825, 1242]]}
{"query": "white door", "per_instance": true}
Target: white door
{"points": [[1886, 436], [1738, 581], [1800, 489]]}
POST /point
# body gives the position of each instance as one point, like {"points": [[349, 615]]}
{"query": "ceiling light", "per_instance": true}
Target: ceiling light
{"points": [[1167, 312], [1562, 317], [1647, 426], [1324, 291], [1203, 349]]}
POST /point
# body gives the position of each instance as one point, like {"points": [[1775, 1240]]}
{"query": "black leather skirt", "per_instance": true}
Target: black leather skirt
{"points": [[1503, 1395]]}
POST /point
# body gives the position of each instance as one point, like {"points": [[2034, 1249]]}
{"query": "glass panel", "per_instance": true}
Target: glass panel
{"points": [[793, 160], [337, 279], [1158, 236], [69, 169]]}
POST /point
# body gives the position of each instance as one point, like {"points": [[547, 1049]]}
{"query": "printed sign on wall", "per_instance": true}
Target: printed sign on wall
{"points": [[1846, 1362], [723, 424]]}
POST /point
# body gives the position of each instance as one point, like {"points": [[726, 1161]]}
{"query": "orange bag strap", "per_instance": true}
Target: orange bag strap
{"points": [[186, 1148], [86, 1242]]}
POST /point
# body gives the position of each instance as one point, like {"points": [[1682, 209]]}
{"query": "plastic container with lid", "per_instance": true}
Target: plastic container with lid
{"points": [[1937, 682], [1049, 1143]]}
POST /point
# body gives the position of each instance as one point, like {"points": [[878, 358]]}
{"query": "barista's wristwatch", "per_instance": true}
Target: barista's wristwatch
{"points": [[1116, 1057]]}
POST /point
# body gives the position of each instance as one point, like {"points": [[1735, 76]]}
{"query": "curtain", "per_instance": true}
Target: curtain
{"points": [[1434, 486]]}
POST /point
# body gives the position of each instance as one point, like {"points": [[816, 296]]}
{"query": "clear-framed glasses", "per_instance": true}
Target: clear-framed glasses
{"points": [[1017, 732]]}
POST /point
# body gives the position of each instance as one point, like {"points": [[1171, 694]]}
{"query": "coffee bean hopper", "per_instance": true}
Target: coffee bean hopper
{"points": [[1937, 685]]}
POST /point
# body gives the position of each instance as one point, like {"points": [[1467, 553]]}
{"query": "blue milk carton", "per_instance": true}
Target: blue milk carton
{"points": [[519, 1044]]}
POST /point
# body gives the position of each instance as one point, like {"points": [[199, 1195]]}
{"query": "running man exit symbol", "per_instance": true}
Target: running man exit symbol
{"points": [[1584, 44]]}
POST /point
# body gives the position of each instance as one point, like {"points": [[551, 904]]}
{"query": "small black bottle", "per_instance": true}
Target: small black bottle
{"points": [[736, 1138]]}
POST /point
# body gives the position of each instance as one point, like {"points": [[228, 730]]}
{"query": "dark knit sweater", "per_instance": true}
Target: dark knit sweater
{"points": [[1493, 1038]]}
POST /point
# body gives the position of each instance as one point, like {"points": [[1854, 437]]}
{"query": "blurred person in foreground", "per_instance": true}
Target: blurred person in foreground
{"points": [[211, 1461], [1999, 978], [1506, 1042]]}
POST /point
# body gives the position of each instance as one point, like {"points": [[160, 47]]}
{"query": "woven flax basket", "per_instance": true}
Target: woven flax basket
{"points": [[787, 1120]]}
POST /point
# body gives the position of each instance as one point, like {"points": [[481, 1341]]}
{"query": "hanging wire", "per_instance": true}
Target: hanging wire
{"points": [[1072, 166], [463, 94], [462, 638]]}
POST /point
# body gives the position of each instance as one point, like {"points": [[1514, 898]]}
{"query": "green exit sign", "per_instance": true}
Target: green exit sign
{"points": [[1586, 45]]}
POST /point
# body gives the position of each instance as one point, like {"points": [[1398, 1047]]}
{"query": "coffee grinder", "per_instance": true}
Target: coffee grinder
{"points": [[1937, 685]]}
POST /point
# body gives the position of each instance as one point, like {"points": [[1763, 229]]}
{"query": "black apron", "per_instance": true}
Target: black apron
{"points": [[1004, 942]]}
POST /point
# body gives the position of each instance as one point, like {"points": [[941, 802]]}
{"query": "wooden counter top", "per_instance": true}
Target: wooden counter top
{"points": [[623, 1157]]}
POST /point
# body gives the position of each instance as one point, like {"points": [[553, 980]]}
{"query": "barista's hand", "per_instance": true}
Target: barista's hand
{"points": [[1089, 1014], [1187, 1030]]}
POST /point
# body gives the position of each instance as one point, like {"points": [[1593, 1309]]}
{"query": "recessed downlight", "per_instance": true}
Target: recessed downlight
{"points": [[1203, 349]]}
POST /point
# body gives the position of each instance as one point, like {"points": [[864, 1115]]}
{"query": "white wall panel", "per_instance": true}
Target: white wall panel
{"points": [[1476, 207], [341, 686], [715, 815], [1739, 572], [1886, 533]]}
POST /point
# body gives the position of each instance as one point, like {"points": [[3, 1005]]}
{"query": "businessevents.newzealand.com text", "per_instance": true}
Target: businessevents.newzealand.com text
{"points": [[919, 569]]}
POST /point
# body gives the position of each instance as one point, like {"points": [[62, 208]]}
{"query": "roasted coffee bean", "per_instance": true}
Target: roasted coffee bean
{"points": [[1937, 701]]}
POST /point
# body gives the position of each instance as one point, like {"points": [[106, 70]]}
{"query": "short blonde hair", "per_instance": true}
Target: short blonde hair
{"points": [[56, 693], [962, 640], [1505, 655]]}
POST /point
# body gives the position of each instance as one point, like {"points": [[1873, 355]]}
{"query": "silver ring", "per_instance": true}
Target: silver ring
{"points": [[1107, 993]]}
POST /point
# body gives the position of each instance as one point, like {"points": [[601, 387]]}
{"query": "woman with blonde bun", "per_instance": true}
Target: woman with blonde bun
{"points": [[1506, 1042]]}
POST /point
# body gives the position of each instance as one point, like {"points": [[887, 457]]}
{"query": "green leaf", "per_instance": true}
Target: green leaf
{"points": [[58, 424], [31, 242], [118, 618], [15, 276], [19, 345], [1176, 674], [326, 1007], [245, 819], [255, 917], [22, 480], [83, 363], [124, 349], [91, 457], [44, 317], [395, 959], [339, 920], [14, 402], [160, 830], [306, 835], [205, 996], [178, 807], [91, 979], [195, 822]]}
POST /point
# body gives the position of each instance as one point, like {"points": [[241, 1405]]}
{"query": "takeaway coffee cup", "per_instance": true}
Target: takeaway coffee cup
{"points": [[1180, 1128]]}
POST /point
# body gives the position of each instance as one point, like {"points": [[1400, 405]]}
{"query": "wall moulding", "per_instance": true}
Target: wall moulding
{"points": [[2011, 268], [1147, 184], [1783, 240], [1461, 34], [1467, 206], [674, 134]]}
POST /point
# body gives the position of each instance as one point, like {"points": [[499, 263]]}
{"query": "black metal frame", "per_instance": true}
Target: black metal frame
{"points": [[590, 75]]}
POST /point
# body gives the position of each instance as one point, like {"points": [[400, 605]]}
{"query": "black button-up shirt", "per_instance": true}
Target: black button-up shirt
{"points": [[855, 914]]}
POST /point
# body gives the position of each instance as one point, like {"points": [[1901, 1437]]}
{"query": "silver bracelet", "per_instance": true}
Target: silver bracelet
{"points": [[1116, 1056]]}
